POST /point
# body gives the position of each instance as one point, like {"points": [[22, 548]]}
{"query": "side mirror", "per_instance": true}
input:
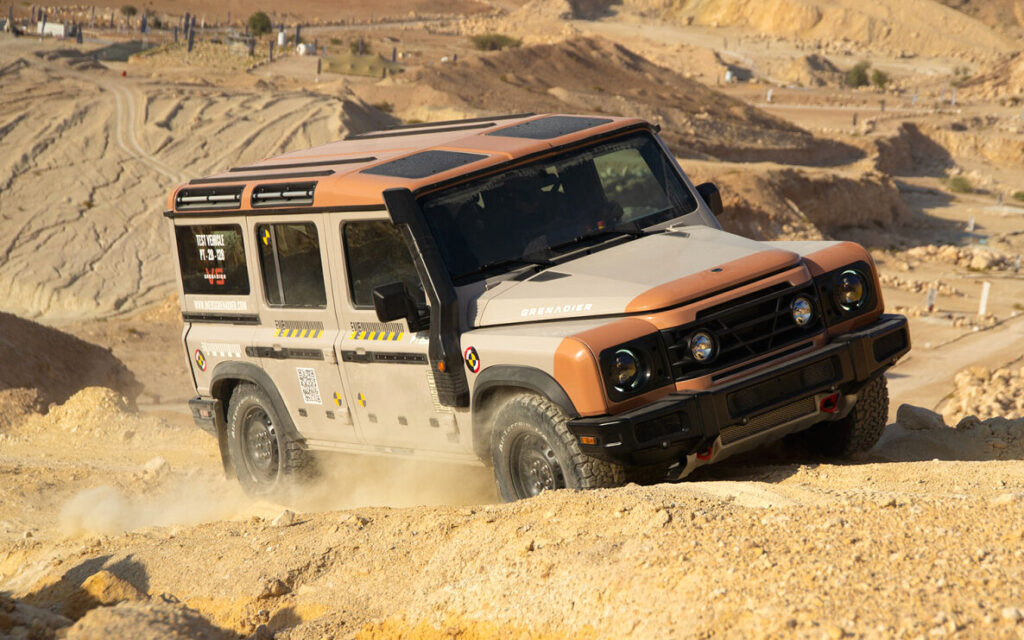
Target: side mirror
{"points": [[711, 195], [393, 302]]}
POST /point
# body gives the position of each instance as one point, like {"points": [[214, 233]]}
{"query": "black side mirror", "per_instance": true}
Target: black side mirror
{"points": [[711, 195], [393, 302]]}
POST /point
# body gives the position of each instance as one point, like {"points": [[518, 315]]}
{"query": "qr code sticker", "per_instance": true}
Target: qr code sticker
{"points": [[308, 385]]}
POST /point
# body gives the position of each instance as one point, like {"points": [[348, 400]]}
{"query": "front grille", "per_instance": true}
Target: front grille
{"points": [[744, 328], [766, 421]]}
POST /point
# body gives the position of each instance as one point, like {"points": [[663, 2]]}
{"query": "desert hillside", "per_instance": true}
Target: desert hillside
{"points": [[83, 234], [914, 27]]}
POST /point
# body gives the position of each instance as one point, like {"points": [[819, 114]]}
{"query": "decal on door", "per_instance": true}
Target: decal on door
{"points": [[308, 385], [472, 359]]}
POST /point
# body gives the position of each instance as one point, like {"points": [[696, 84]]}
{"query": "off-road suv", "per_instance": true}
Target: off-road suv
{"points": [[549, 295]]}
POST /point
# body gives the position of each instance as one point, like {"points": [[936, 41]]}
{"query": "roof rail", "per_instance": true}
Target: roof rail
{"points": [[422, 128], [509, 116], [299, 165], [418, 132]]}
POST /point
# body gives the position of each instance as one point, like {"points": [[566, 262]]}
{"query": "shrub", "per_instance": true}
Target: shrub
{"points": [[960, 76], [353, 46], [494, 42], [129, 10], [858, 75], [1018, 195], [960, 184], [879, 78], [259, 23], [335, 41]]}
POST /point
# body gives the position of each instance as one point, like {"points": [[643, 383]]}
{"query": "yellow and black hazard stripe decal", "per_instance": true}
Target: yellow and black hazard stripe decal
{"points": [[377, 336], [298, 333]]}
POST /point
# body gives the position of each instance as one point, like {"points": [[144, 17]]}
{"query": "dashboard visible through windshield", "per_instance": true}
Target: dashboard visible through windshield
{"points": [[534, 213]]}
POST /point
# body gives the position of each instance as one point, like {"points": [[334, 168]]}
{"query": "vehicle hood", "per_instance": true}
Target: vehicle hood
{"points": [[641, 275]]}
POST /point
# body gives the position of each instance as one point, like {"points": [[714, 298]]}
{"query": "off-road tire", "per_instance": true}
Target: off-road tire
{"points": [[288, 462], [532, 428], [859, 430]]}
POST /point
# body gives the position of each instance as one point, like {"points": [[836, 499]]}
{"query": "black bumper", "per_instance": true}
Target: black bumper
{"points": [[688, 422], [207, 413]]}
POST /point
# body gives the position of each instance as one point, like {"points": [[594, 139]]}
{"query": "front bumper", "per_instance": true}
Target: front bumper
{"points": [[689, 422]]}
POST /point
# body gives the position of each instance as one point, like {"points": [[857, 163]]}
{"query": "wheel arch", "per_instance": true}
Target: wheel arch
{"points": [[225, 378], [496, 383]]}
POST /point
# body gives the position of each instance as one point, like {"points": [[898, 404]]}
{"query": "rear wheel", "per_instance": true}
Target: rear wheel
{"points": [[533, 452], [859, 430], [265, 459]]}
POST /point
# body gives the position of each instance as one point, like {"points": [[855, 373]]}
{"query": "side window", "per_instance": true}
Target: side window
{"points": [[375, 255], [212, 259], [293, 273]]}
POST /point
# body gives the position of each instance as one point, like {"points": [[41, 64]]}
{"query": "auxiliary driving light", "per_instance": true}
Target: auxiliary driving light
{"points": [[802, 311], [702, 346], [850, 290]]}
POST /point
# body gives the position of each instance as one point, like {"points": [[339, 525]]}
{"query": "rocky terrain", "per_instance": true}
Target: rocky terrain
{"points": [[115, 516]]}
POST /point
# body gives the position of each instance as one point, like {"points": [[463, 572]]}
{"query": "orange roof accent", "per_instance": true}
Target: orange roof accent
{"points": [[347, 186]]}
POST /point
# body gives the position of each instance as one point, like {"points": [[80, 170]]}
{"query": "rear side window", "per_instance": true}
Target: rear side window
{"points": [[212, 259], [293, 273], [376, 255]]}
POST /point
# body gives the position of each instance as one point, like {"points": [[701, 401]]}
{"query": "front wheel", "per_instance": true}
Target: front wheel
{"points": [[265, 459], [533, 451], [859, 430]]}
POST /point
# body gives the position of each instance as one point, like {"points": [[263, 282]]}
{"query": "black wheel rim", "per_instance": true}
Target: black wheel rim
{"points": [[259, 445], [533, 466]]}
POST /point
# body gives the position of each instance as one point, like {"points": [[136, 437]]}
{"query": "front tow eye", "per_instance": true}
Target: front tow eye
{"points": [[830, 403]]}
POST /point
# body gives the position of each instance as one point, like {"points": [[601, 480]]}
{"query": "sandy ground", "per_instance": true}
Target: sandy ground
{"points": [[110, 495]]}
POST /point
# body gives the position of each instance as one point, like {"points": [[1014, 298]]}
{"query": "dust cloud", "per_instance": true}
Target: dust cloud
{"points": [[343, 482], [107, 510]]}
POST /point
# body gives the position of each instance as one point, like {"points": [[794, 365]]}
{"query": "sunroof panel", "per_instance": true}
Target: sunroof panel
{"points": [[424, 164], [550, 127]]}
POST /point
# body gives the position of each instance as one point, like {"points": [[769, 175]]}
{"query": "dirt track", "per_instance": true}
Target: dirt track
{"points": [[898, 544]]}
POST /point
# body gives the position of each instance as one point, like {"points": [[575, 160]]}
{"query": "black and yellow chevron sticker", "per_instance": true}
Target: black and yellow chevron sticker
{"points": [[361, 399], [298, 333], [337, 399], [377, 336], [265, 236]]}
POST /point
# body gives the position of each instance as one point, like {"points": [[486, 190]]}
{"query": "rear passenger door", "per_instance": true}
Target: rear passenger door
{"points": [[298, 325], [393, 394]]}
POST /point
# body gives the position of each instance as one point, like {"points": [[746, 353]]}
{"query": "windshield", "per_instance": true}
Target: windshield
{"points": [[542, 210]]}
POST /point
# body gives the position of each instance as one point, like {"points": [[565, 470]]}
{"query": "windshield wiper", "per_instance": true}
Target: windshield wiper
{"points": [[632, 229], [532, 259]]}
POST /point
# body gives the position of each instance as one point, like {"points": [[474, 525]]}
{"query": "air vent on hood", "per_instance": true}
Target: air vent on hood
{"points": [[290, 194], [209, 198]]}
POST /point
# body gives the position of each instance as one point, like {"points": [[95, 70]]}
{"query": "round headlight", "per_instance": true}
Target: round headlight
{"points": [[850, 290], [802, 311], [702, 346], [626, 370]]}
